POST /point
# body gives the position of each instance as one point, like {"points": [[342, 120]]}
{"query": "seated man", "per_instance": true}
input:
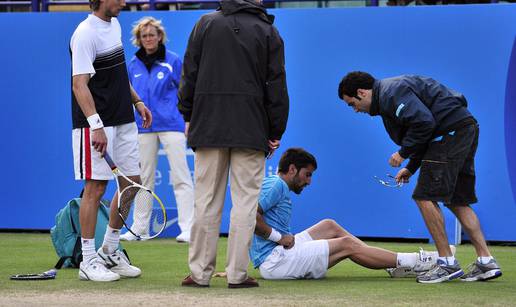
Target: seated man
{"points": [[309, 254]]}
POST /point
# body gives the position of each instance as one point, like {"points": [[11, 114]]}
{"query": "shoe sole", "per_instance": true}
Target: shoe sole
{"points": [[84, 276], [443, 279], [241, 286], [129, 275], [485, 276], [401, 273], [195, 286]]}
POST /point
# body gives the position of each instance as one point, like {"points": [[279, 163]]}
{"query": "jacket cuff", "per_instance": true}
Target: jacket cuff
{"points": [[275, 136], [413, 165], [404, 152]]}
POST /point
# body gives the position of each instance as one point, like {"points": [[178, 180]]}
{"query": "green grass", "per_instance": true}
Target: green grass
{"points": [[164, 265]]}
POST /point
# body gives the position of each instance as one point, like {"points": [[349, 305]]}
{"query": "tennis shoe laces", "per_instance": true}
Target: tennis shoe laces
{"points": [[426, 259], [118, 263]]}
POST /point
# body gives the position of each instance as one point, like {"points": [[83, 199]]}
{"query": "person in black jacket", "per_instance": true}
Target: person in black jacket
{"points": [[435, 130], [234, 100]]}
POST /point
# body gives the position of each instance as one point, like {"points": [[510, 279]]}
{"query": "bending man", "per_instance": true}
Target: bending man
{"points": [[434, 128]]}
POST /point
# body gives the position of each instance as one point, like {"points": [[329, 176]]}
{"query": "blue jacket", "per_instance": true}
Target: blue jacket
{"points": [[158, 90], [415, 110]]}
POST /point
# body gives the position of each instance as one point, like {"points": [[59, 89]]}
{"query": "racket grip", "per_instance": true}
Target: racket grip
{"points": [[109, 161], [52, 272]]}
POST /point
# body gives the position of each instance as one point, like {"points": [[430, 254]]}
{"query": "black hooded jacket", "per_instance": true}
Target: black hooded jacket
{"points": [[415, 110], [233, 86]]}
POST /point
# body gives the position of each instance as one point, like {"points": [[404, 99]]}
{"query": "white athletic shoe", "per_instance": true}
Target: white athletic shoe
{"points": [[128, 236], [118, 263], [95, 270], [424, 263], [184, 237], [401, 272]]}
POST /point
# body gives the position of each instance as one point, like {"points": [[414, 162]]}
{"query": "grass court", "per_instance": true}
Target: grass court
{"points": [[164, 265]]}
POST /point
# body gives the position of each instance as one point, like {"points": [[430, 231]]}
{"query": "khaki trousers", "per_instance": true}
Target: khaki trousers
{"points": [[246, 170], [174, 145]]}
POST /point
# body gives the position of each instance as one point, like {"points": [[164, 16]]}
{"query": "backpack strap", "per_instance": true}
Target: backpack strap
{"points": [[77, 253], [61, 261], [75, 258]]}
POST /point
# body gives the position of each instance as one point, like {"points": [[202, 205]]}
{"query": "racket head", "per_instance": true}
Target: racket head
{"points": [[137, 200], [144, 205]]}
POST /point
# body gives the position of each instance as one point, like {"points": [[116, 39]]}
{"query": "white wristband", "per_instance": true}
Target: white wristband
{"points": [[95, 122], [138, 102], [275, 236]]}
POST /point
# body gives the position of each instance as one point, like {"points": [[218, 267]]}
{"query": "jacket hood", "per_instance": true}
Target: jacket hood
{"points": [[229, 7]]}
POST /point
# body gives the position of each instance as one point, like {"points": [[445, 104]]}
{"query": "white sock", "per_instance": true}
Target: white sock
{"points": [[407, 260], [88, 249], [448, 260], [111, 240], [484, 260]]}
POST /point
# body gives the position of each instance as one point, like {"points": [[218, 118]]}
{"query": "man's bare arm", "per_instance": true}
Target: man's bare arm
{"points": [[261, 229], [87, 104], [141, 108], [83, 95]]}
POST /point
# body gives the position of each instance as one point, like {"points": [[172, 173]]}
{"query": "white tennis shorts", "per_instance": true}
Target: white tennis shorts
{"points": [[308, 259], [122, 147]]}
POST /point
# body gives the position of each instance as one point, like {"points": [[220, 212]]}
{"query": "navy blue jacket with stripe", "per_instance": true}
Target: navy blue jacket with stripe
{"points": [[415, 110]]}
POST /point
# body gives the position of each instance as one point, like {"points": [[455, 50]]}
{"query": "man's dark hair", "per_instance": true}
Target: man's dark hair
{"points": [[94, 4], [353, 81], [297, 156]]}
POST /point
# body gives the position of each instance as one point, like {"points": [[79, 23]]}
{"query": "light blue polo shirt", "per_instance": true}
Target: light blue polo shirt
{"points": [[277, 211]]}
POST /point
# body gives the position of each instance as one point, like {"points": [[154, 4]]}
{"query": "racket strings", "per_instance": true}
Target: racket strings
{"points": [[126, 200], [149, 216]]}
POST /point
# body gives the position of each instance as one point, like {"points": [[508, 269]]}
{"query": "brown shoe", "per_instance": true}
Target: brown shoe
{"points": [[248, 283], [189, 282]]}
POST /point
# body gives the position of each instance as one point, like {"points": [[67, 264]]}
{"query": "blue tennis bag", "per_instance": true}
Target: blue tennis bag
{"points": [[66, 234]]}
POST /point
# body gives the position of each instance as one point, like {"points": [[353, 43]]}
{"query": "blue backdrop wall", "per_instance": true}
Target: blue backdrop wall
{"points": [[469, 48]]}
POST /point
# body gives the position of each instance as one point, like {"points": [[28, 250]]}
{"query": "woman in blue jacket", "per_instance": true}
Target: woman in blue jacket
{"points": [[154, 73]]}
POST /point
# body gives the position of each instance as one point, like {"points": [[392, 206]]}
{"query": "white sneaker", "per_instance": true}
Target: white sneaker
{"points": [[401, 272], [184, 237], [95, 270], [426, 259], [128, 236], [118, 263], [424, 262]]}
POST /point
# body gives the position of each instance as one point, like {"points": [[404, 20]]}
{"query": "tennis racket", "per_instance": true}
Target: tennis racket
{"points": [[136, 200], [51, 274]]}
